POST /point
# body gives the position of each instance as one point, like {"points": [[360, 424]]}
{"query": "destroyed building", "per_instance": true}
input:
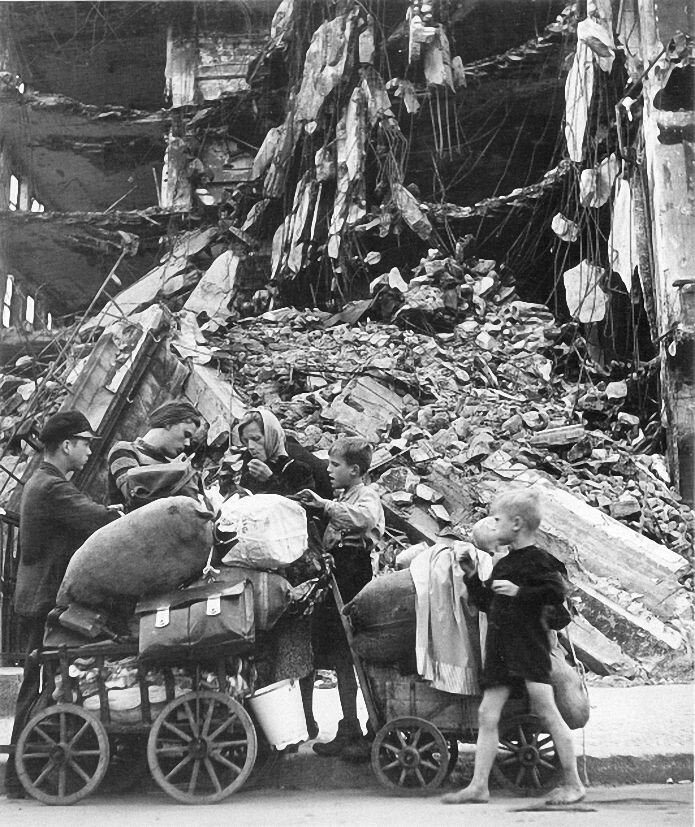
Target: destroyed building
{"points": [[404, 220]]}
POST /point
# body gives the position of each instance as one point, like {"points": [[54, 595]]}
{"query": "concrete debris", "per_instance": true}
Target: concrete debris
{"points": [[453, 421]]}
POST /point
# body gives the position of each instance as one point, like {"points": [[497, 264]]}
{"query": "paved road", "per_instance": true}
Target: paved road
{"points": [[637, 806]]}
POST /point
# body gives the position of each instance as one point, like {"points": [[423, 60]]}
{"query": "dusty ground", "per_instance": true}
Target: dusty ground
{"points": [[638, 806]]}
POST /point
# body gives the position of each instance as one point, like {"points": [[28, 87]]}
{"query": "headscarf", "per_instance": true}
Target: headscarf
{"points": [[273, 435]]}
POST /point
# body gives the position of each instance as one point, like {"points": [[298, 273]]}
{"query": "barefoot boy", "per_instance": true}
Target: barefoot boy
{"points": [[517, 649], [355, 522]]}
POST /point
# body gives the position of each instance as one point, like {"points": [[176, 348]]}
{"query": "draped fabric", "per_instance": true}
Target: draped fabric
{"points": [[446, 649]]}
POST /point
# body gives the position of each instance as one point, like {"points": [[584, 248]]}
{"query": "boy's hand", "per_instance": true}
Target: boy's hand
{"points": [[464, 559], [308, 497], [505, 587], [259, 470]]}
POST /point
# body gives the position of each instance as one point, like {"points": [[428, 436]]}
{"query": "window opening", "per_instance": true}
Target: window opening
{"points": [[7, 301], [14, 192], [29, 311]]}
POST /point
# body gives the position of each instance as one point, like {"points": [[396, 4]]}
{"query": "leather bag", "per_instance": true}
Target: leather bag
{"points": [[272, 594], [202, 621]]}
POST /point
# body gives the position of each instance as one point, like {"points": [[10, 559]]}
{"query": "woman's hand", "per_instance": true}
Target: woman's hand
{"points": [[505, 587], [259, 470]]}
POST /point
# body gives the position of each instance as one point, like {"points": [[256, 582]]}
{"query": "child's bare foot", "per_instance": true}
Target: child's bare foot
{"points": [[468, 795], [562, 796]]}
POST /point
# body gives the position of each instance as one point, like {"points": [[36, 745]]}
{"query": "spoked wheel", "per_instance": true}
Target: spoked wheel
{"points": [[62, 754], [201, 747], [527, 761], [410, 755]]}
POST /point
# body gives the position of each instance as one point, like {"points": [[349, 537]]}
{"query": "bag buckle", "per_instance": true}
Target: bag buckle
{"points": [[161, 618], [213, 606]]}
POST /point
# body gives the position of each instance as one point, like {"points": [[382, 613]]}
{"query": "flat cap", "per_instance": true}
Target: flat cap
{"points": [[64, 425]]}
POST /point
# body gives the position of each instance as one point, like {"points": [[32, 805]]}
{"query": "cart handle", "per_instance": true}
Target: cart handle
{"points": [[359, 668]]}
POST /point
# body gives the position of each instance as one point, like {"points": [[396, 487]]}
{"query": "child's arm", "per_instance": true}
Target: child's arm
{"points": [[547, 587], [478, 592], [363, 515], [308, 497]]}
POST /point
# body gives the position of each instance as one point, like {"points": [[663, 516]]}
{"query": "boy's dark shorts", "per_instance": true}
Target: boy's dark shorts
{"points": [[527, 659], [353, 570]]}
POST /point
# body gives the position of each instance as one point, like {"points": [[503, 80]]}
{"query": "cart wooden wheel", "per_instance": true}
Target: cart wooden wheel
{"points": [[410, 755], [527, 761], [62, 754], [202, 747]]}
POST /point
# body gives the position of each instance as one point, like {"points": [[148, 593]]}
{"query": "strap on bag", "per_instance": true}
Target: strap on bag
{"points": [[579, 666]]}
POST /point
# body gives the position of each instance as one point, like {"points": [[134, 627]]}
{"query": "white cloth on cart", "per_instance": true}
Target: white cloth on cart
{"points": [[446, 649]]}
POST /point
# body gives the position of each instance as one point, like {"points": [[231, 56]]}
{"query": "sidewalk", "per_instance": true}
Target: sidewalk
{"points": [[641, 734]]}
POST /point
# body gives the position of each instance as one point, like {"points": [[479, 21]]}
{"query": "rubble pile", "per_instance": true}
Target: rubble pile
{"points": [[463, 389], [484, 396]]}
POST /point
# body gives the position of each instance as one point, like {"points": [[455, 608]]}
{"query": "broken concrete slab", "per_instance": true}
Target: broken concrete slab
{"points": [[366, 407], [598, 652], [216, 288], [216, 400], [588, 540]]}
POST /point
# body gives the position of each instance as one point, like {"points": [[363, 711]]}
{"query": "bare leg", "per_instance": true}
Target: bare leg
{"points": [[543, 702], [477, 792], [306, 686]]}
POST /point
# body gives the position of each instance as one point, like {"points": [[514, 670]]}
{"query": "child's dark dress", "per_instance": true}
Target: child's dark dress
{"points": [[517, 646]]}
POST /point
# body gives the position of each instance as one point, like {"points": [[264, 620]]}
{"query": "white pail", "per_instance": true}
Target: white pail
{"points": [[278, 709]]}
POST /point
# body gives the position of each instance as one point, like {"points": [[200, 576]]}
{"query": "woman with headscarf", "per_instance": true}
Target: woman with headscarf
{"points": [[272, 465], [267, 466]]}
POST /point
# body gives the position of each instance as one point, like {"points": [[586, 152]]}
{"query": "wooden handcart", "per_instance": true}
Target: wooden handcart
{"points": [[418, 731], [200, 746]]}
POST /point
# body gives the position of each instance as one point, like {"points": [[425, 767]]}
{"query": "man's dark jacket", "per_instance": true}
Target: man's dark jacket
{"points": [[55, 518]]}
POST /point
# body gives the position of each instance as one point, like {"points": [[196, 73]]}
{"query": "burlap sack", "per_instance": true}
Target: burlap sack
{"points": [[384, 620], [149, 551], [571, 696]]}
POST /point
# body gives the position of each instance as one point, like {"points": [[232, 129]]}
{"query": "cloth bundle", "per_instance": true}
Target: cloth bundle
{"points": [[271, 531], [446, 648]]}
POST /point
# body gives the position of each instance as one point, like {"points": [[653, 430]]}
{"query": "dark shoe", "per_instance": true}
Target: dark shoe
{"points": [[357, 751], [15, 792], [345, 735]]}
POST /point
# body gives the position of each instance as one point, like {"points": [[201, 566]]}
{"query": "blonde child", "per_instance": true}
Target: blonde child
{"points": [[517, 648]]}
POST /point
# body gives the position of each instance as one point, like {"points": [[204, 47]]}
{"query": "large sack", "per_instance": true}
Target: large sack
{"points": [[571, 696], [394, 643], [383, 616], [149, 551], [271, 531], [382, 601]]}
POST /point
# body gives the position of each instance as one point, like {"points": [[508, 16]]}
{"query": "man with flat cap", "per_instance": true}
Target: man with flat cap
{"points": [[55, 518], [155, 465]]}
